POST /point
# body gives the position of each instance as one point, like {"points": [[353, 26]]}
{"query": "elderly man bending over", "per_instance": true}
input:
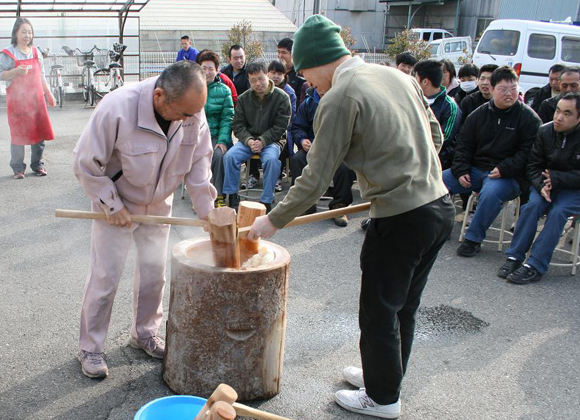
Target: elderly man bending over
{"points": [[138, 146]]}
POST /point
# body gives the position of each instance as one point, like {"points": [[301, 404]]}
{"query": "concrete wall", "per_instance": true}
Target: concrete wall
{"points": [[165, 41], [364, 17]]}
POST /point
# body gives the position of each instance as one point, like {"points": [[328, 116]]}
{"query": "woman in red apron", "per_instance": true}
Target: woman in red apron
{"points": [[21, 67]]}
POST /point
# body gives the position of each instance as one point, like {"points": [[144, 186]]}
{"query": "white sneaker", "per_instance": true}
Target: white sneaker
{"points": [[353, 376], [360, 402]]}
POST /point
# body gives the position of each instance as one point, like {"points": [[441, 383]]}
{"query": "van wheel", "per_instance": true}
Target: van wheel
{"points": [[529, 96]]}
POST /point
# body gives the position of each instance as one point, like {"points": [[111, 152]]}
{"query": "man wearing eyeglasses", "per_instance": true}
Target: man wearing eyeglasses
{"points": [[491, 155], [569, 82]]}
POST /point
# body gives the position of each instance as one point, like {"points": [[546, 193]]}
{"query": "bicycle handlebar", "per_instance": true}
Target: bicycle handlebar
{"points": [[95, 48]]}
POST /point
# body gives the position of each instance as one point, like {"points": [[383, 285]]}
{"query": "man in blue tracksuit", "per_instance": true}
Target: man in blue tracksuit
{"points": [[187, 52], [303, 135]]}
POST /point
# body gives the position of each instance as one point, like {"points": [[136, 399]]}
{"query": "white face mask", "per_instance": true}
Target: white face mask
{"points": [[468, 86]]}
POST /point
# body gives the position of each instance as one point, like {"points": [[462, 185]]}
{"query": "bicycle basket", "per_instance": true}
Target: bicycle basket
{"points": [[81, 58], [102, 59]]}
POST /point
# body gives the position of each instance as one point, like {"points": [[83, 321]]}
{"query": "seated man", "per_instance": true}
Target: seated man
{"points": [[302, 129], [482, 96], [429, 74], [551, 89], [491, 155], [260, 122], [467, 81], [569, 82], [405, 62], [554, 172]]}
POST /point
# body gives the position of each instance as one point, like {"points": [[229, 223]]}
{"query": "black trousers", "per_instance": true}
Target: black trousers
{"points": [[342, 180], [396, 258]]}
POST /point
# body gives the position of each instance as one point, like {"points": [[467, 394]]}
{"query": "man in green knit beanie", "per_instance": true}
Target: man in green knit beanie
{"points": [[376, 120]]}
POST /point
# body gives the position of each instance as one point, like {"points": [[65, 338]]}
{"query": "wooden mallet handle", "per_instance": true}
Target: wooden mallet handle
{"points": [[316, 217], [136, 218], [222, 393]]}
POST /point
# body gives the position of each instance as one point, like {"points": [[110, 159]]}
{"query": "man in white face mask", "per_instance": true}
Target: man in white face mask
{"points": [[467, 81], [429, 74]]}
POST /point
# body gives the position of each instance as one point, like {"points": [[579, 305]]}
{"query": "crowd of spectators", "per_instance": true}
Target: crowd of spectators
{"points": [[494, 144]]}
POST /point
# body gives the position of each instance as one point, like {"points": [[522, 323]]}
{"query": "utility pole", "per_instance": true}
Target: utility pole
{"points": [[316, 7]]}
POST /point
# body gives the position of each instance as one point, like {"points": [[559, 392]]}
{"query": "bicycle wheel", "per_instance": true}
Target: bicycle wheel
{"points": [[56, 94], [85, 85], [60, 96], [91, 93]]}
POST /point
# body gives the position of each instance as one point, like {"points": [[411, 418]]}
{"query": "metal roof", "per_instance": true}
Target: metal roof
{"points": [[36, 7], [213, 15]]}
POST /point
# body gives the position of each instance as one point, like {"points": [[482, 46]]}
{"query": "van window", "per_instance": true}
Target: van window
{"points": [[499, 42], [433, 47], [437, 35], [426, 36], [446, 35], [571, 49], [542, 46]]}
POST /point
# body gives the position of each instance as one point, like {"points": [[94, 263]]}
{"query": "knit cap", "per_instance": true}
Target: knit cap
{"points": [[316, 43]]}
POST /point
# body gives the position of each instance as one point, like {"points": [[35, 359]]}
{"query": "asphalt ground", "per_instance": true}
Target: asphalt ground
{"points": [[485, 349]]}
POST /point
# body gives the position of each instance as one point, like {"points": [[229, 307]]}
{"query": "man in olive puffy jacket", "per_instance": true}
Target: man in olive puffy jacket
{"points": [[260, 122], [219, 111], [554, 172]]}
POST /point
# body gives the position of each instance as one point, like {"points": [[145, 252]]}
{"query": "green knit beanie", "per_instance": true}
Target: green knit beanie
{"points": [[316, 43]]}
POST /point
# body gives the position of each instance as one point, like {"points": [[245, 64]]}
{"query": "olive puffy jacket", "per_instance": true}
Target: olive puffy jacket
{"points": [[219, 110]]}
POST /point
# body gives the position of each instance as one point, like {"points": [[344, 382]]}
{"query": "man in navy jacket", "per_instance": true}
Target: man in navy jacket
{"points": [[303, 135]]}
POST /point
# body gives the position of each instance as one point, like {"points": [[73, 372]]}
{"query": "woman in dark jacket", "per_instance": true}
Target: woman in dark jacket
{"points": [[219, 110]]}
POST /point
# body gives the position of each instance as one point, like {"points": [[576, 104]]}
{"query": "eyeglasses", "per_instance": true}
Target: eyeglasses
{"points": [[504, 90]]}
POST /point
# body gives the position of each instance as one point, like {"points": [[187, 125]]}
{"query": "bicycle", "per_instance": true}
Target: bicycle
{"points": [[115, 69], [86, 59], [57, 83]]}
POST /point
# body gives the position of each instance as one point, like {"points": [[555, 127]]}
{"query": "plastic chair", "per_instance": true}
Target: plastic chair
{"points": [[252, 194], [573, 253], [502, 229]]}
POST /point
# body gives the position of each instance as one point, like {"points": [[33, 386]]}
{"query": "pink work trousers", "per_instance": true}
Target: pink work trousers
{"points": [[109, 248]]}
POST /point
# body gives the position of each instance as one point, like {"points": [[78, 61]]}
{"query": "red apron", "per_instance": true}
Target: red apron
{"points": [[26, 107]]}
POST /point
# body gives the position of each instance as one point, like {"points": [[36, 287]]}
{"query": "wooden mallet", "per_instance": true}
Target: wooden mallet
{"points": [[223, 393], [221, 410], [227, 394]]}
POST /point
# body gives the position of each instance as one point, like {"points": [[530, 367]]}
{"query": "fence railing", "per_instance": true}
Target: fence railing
{"points": [[138, 68], [153, 63]]}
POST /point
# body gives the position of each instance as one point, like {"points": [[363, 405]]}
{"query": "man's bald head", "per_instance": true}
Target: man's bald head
{"points": [[180, 91], [180, 77]]}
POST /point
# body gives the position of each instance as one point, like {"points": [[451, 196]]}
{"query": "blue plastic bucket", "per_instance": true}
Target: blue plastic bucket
{"points": [[175, 407]]}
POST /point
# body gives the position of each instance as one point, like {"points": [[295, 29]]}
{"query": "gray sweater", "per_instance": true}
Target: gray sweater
{"points": [[377, 121]]}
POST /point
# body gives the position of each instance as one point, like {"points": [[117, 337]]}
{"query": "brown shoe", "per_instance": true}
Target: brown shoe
{"points": [[93, 364], [153, 346]]}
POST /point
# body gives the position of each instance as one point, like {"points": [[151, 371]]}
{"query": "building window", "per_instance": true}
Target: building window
{"points": [[482, 25], [571, 49], [542, 46]]}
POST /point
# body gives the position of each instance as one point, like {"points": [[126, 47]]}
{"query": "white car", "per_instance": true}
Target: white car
{"points": [[454, 49], [431, 34]]}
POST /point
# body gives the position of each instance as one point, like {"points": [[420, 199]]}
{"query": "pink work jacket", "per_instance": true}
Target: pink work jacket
{"points": [[123, 134]]}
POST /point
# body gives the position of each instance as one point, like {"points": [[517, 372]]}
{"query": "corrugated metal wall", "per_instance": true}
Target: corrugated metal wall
{"points": [[538, 9]]}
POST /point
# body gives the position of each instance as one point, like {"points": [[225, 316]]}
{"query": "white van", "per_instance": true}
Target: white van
{"points": [[453, 49], [530, 47], [431, 34]]}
